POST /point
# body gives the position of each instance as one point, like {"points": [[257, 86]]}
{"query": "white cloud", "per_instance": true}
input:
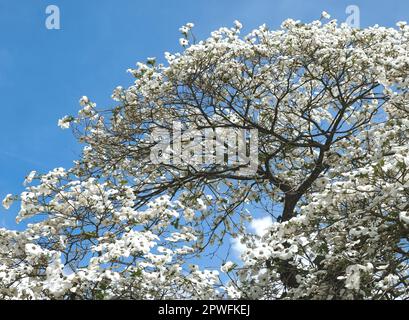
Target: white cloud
{"points": [[237, 246], [259, 226]]}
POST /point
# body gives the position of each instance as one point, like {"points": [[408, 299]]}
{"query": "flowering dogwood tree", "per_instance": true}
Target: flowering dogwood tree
{"points": [[330, 105]]}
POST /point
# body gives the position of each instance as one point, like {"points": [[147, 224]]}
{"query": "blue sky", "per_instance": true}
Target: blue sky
{"points": [[44, 72]]}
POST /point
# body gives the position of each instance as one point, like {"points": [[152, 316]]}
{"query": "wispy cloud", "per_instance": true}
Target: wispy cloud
{"points": [[259, 226]]}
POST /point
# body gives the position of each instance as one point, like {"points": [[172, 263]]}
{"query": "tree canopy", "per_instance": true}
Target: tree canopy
{"points": [[325, 109]]}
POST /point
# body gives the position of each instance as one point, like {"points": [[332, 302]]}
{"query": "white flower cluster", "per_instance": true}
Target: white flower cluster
{"points": [[330, 104]]}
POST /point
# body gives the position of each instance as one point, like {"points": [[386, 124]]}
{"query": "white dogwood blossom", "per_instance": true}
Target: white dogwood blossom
{"points": [[64, 123], [8, 201], [325, 15]]}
